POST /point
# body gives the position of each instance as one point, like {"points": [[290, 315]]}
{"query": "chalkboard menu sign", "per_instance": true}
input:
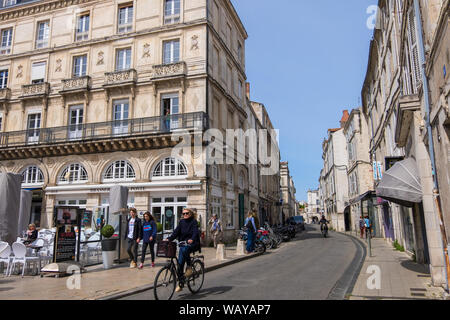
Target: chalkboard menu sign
{"points": [[66, 239]]}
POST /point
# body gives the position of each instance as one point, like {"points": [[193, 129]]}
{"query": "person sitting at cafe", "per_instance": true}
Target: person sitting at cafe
{"points": [[32, 234]]}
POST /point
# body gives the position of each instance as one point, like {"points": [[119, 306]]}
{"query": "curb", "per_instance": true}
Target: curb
{"points": [[346, 283], [148, 287]]}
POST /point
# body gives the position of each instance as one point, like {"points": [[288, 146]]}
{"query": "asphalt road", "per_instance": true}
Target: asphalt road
{"points": [[307, 268]]}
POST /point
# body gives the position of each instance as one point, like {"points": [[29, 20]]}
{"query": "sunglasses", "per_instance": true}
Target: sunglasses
{"points": [[186, 213]]}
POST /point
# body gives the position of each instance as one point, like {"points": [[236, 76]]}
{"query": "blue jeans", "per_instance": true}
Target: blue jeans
{"points": [[184, 256], [250, 241]]}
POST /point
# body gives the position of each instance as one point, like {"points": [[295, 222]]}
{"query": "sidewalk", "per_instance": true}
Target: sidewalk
{"points": [[401, 278], [99, 284]]}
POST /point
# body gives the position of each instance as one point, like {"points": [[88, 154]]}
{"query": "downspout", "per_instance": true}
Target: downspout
{"points": [[208, 171], [430, 137]]}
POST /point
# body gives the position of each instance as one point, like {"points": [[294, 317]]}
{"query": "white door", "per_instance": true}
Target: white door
{"points": [[34, 124], [171, 110], [76, 123], [120, 118]]}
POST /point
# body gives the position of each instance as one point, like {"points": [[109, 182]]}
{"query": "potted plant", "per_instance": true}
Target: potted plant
{"points": [[108, 246], [159, 230]]}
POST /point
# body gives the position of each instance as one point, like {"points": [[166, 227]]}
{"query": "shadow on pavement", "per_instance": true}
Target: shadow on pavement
{"points": [[415, 267], [205, 293]]}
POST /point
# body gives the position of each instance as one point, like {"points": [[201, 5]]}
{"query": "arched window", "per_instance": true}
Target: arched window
{"points": [[215, 172], [170, 167], [74, 173], [119, 170], [32, 175]]}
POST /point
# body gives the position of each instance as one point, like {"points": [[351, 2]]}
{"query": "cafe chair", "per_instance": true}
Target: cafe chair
{"points": [[5, 256], [20, 257]]}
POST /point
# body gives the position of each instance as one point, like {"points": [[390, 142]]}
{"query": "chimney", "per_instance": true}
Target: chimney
{"points": [[345, 117], [247, 89]]}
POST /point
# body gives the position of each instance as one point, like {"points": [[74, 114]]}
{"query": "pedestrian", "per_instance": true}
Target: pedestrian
{"points": [[149, 230], [362, 226], [167, 119], [216, 229], [32, 234], [133, 235], [187, 230], [368, 226], [251, 232]]}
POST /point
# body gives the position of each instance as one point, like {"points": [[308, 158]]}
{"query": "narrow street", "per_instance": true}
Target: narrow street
{"points": [[307, 268]]}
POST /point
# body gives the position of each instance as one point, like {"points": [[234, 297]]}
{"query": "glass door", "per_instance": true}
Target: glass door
{"points": [[168, 211], [76, 123], [120, 117], [34, 124], [170, 111]]}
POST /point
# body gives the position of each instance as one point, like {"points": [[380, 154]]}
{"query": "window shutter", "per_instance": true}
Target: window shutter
{"points": [[38, 71], [413, 50]]}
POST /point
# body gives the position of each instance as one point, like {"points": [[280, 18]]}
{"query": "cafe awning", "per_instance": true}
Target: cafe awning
{"points": [[401, 184]]}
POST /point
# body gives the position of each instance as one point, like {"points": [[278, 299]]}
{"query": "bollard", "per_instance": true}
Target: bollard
{"points": [[220, 253], [240, 251]]}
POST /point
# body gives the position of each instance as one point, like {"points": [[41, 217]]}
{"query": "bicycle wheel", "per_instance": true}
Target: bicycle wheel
{"points": [[195, 282], [165, 282]]}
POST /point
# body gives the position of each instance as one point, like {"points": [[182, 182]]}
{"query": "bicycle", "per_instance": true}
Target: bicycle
{"points": [[260, 247], [167, 278]]}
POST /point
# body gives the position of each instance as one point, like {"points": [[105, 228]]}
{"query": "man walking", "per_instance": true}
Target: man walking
{"points": [[368, 227], [361, 226], [216, 229], [133, 235]]}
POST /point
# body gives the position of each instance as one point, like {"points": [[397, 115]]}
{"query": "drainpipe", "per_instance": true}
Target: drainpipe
{"points": [[430, 137]]}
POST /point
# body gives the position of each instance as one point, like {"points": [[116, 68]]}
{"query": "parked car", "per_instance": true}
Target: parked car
{"points": [[298, 222]]}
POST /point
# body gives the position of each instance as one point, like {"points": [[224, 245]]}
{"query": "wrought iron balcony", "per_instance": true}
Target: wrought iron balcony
{"points": [[35, 90], [124, 135], [76, 84], [119, 78], [169, 70]]}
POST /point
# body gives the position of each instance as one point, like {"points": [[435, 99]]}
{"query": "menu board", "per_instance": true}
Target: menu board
{"points": [[66, 243], [67, 219]]}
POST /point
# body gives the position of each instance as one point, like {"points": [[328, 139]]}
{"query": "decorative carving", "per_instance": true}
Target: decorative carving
{"points": [[194, 42], [19, 71], [169, 70], [101, 58], [76, 83], [120, 77], [58, 65], [143, 156], [146, 51], [35, 89], [51, 163], [94, 159], [10, 164]]}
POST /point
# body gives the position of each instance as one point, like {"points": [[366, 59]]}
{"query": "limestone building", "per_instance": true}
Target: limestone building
{"points": [[93, 92]]}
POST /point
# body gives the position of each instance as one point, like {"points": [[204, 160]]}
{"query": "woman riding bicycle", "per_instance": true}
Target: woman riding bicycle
{"points": [[187, 231]]}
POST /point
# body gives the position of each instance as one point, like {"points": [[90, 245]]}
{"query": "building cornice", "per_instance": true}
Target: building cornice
{"points": [[31, 8]]}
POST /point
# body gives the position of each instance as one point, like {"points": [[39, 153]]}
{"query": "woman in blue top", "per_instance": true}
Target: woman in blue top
{"points": [[149, 230], [251, 232]]}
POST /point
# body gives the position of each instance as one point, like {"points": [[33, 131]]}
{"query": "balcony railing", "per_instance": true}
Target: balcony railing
{"points": [[5, 93], [132, 128], [37, 89], [169, 70], [76, 84], [120, 77]]}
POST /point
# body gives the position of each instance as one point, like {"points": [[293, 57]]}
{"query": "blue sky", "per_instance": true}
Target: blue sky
{"points": [[306, 62]]}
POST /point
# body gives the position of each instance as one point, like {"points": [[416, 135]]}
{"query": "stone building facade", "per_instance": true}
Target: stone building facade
{"points": [[403, 102], [94, 92]]}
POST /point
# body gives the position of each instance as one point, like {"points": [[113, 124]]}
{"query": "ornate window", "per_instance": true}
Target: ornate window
{"points": [[32, 175], [215, 172], [170, 167], [119, 171], [74, 173], [241, 180]]}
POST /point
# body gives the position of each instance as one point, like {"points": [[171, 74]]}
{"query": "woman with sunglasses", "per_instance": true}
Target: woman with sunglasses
{"points": [[187, 231]]}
